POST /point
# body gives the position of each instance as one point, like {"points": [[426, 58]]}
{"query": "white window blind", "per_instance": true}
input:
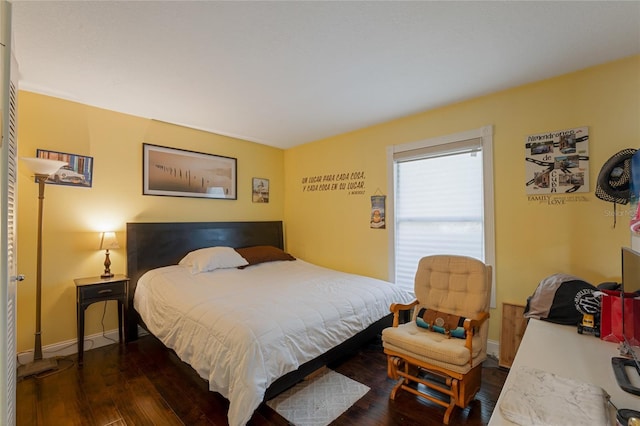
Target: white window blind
{"points": [[442, 201]]}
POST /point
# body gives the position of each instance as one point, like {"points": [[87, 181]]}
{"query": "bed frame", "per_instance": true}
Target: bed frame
{"points": [[152, 245]]}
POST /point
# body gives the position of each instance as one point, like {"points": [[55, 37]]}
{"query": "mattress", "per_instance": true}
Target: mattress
{"points": [[241, 329]]}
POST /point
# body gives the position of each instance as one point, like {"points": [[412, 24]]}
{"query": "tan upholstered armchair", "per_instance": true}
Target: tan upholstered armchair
{"points": [[448, 289]]}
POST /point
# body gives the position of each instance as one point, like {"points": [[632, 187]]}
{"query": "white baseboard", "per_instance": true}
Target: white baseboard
{"points": [[70, 347], [493, 348]]}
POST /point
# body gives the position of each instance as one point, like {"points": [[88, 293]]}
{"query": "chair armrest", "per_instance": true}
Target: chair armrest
{"points": [[397, 307], [470, 325]]}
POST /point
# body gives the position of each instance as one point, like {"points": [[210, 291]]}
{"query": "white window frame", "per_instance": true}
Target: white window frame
{"points": [[486, 135]]}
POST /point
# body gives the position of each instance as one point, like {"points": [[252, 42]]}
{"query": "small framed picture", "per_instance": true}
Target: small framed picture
{"points": [[77, 172], [180, 173], [377, 211], [260, 190]]}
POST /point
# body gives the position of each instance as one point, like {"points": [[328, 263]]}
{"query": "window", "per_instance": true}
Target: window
{"points": [[442, 201]]}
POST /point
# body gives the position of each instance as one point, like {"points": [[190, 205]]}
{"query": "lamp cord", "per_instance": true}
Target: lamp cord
{"points": [[87, 340], [90, 341], [104, 311]]}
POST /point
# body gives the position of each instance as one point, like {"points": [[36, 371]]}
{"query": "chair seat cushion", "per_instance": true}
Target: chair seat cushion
{"points": [[432, 347]]}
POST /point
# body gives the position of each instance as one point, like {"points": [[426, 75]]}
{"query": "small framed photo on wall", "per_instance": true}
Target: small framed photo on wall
{"points": [[377, 211], [77, 172], [260, 190]]}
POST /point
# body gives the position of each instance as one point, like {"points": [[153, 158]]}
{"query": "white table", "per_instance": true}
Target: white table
{"points": [[560, 350]]}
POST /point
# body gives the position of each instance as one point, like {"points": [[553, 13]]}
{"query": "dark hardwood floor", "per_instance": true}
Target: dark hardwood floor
{"points": [[143, 383]]}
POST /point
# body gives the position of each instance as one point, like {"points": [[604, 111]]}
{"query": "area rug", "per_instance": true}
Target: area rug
{"points": [[319, 400]]}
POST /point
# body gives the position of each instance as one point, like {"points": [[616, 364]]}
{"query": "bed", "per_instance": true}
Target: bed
{"points": [[215, 320]]}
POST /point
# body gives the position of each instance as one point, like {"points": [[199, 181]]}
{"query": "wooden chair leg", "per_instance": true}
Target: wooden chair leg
{"points": [[396, 388], [391, 369], [393, 364], [452, 401]]}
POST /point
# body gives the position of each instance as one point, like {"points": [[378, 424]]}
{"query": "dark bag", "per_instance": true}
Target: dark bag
{"points": [[562, 299]]}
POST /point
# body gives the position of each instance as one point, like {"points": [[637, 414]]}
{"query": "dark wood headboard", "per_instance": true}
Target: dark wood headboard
{"points": [[152, 245]]}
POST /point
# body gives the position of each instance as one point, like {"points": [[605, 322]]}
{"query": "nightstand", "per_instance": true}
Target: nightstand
{"points": [[95, 289]]}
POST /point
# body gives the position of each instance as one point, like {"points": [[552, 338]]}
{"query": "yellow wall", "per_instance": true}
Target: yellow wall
{"points": [[330, 227], [74, 216], [533, 239]]}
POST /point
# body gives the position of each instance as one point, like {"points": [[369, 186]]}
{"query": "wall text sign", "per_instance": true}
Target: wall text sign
{"points": [[352, 182]]}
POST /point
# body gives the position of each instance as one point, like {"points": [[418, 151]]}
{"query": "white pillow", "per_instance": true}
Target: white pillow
{"points": [[211, 258]]}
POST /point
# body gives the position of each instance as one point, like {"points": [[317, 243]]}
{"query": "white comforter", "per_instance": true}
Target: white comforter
{"points": [[243, 329]]}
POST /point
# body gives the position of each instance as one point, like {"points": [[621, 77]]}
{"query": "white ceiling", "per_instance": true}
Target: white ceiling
{"points": [[287, 73]]}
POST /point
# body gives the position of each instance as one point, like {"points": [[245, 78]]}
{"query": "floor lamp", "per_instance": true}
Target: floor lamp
{"points": [[42, 168]]}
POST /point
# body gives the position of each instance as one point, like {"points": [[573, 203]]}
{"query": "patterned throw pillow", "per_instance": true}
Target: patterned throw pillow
{"points": [[441, 322]]}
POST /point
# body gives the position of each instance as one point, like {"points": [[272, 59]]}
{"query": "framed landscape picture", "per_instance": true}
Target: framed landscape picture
{"points": [[181, 173], [77, 172]]}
